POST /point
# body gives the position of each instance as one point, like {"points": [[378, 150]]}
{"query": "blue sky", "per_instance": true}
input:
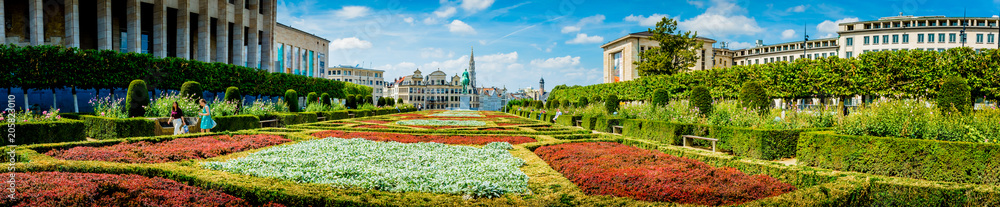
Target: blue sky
{"points": [[518, 42]]}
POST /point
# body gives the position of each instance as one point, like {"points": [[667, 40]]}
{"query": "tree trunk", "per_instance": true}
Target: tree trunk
{"points": [[54, 105], [76, 102], [26, 99]]}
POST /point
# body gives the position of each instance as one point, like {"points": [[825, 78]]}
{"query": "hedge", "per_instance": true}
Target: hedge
{"points": [[765, 144], [66, 130], [109, 128], [568, 120], [236, 123], [604, 124], [286, 119], [589, 122], [335, 115], [962, 162], [662, 132]]}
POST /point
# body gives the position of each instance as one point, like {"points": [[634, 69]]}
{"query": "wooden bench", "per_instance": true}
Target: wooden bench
{"points": [[351, 116], [270, 123], [579, 123], [322, 118], [686, 137], [617, 129]]}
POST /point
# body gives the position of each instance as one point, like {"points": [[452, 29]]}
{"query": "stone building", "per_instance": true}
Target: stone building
{"points": [[361, 76], [619, 54], [492, 99], [298, 52], [433, 91]]}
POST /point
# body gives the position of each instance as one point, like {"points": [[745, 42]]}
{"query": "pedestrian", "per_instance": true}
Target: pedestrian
{"points": [[206, 117], [177, 117], [558, 112]]}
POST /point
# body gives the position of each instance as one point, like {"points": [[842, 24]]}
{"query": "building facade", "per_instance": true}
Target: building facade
{"points": [[433, 91], [492, 99], [790, 51], [361, 76], [298, 52], [620, 54]]}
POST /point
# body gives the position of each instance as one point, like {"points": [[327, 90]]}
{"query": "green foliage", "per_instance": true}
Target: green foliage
{"points": [[191, 89], [676, 53], [312, 98], [582, 102], [233, 95], [351, 102], [236, 123], [399, 101], [368, 99], [137, 99], [223, 108], [701, 99], [292, 100], [611, 104], [315, 107], [162, 106], [914, 120], [325, 97], [565, 104], [955, 95], [595, 98], [553, 104], [64, 130], [286, 119], [661, 97], [111, 128], [753, 96]]}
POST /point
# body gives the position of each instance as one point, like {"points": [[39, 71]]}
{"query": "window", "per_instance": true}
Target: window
{"points": [[866, 40], [850, 41], [930, 38], [885, 39], [895, 39], [951, 38], [810, 56], [941, 37], [990, 38], [906, 38], [921, 24], [979, 38], [920, 38], [850, 55], [832, 54], [940, 49], [932, 23], [824, 55], [875, 39]]}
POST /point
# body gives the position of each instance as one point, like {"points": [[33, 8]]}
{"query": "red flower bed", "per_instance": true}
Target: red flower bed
{"points": [[90, 189], [169, 151], [409, 138], [614, 169], [370, 127], [508, 124]]}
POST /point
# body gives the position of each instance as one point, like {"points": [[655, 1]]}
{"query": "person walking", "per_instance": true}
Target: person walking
{"points": [[177, 117], [206, 117], [558, 113]]}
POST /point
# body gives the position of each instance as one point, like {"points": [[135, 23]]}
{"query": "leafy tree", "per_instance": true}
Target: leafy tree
{"points": [[565, 103], [753, 96], [233, 95], [611, 104], [582, 102], [399, 101], [955, 95], [138, 97], [701, 98], [325, 97], [368, 99], [661, 97], [351, 102], [677, 51], [191, 89], [312, 98], [292, 99]]}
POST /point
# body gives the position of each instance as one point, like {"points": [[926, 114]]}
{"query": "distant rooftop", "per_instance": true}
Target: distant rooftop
{"points": [[355, 67]]}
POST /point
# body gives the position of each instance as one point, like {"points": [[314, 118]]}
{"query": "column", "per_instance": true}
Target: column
{"points": [[204, 32], [238, 34], [267, 52], [72, 25], [159, 28], [134, 38], [253, 51], [104, 38], [37, 28], [3, 32], [183, 29], [222, 32]]}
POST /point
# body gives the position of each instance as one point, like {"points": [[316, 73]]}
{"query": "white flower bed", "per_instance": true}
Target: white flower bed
{"points": [[435, 122], [388, 166], [457, 114]]}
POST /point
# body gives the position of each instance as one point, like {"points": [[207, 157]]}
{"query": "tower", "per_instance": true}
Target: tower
{"points": [[472, 70], [541, 86]]}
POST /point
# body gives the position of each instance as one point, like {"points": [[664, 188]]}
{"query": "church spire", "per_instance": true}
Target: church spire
{"points": [[472, 68]]}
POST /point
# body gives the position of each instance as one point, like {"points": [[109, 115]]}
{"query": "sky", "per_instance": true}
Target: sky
{"points": [[518, 42]]}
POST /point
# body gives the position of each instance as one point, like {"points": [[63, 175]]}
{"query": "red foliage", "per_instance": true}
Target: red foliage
{"points": [[409, 138], [169, 151], [370, 127], [614, 169], [508, 124], [90, 189]]}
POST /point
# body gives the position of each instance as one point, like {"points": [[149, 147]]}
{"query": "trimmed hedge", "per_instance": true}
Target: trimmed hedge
{"points": [[589, 122], [137, 98], [110, 128], [662, 132], [292, 99], [961, 162], [335, 115], [604, 124], [66, 130], [286, 119], [765, 144], [568, 120], [236, 123]]}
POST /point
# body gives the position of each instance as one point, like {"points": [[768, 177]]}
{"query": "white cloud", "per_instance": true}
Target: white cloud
{"points": [[457, 26], [431, 52], [351, 12], [350, 43], [570, 29], [498, 58], [473, 6], [828, 29], [698, 4], [740, 45], [646, 21], [557, 62], [408, 20], [798, 9], [722, 19], [788, 34], [445, 12], [584, 39]]}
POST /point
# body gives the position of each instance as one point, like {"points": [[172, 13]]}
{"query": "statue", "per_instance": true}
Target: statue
{"points": [[465, 82]]}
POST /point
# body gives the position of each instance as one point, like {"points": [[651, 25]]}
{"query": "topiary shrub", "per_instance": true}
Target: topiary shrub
{"points": [[611, 104], [138, 97], [312, 98], [955, 95], [565, 103], [191, 89], [597, 98], [399, 101], [753, 96], [381, 101], [350, 102], [368, 99], [292, 99], [701, 99], [325, 97], [661, 97], [582, 102], [233, 95]]}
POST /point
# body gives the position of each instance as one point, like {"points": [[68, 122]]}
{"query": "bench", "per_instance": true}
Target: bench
{"points": [[350, 115], [617, 129], [322, 118], [686, 137], [579, 123], [269, 123]]}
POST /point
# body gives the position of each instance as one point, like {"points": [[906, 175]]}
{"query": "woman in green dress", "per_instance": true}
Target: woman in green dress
{"points": [[206, 117]]}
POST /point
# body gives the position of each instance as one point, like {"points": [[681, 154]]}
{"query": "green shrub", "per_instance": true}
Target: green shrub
{"points": [[369, 100], [236, 123], [312, 98], [350, 102], [191, 89], [399, 101], [325, 97], [359, 100], [582, 102], [137, 99], [553, 104], [611, 104], [701, 98], [65, 130], [954, 95], [566, 104], [597, 98], [589, 122], [292, 100], [111, 128], [286, 119], [753, 96], [335, 115], [604, 124], [661, 97], [233, 95]]}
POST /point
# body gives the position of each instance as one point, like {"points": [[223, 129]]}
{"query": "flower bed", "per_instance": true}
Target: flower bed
{"points": [[615, 169], [370, 127], [169, 151], [409, 138], [437, 122], [375, 121], [90, 189], [387, 166]]}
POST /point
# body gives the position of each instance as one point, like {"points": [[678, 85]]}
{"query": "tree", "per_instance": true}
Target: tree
{"points": [[325, 98], [191, 89], [661, 97], [701, 98], [753, 96], [399, 101], [292, 99], [582, 102], [677, 51], [955, 95], [611, 104], [233, 95], [137, 99], [312, 98]]}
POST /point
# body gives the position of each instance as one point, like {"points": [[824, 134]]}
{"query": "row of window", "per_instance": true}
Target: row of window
{"points": [[436, 90], [790, 58], [953, 23], [348, 72], [930, 38]]}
